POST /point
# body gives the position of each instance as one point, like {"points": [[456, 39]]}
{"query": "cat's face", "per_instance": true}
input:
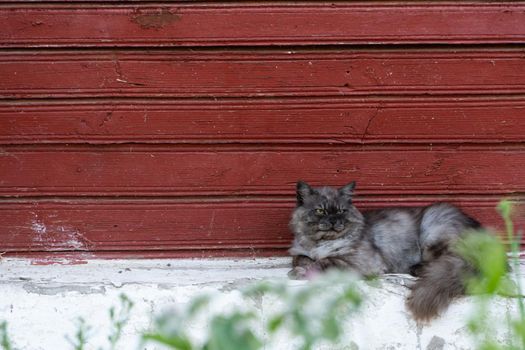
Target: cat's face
{"points": [[325, 213]]}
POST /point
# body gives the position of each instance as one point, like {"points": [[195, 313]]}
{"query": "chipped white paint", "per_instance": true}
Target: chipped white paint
{"points": [[71, 238], [41, 303], [39, 230], [57, 236]]}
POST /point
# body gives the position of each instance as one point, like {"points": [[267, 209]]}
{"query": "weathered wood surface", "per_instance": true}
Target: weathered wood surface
{"points": [[146, 129], [175, 227], [35, 74], [334, 120], [163, 171], [77, 25]]}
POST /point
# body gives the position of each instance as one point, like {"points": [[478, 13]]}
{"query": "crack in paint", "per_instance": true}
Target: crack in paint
{"points": [[365, 133], [121, 77]]}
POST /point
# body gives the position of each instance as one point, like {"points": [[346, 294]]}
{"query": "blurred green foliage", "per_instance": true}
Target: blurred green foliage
{"points": [[487, 253], [311, 312], [5, 342]]}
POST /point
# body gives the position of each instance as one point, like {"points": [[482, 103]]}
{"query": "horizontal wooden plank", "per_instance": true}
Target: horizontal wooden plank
{"points": [[35, 74], [262, 24], [39, 2], [168, 171], [334, 120], [171, 228], [75, 226]]}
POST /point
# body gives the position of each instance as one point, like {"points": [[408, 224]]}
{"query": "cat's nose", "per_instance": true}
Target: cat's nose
{"points": [[339, 227]]}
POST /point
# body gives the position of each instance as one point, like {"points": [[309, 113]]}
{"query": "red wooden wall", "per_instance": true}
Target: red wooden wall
{"points": [[179, 128]]}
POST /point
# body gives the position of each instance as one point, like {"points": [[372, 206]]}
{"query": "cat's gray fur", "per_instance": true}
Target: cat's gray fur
{"points": [[329, 232]]}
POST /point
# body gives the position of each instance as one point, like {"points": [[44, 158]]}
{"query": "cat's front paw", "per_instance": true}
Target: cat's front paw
{"points": [[298, 273]]}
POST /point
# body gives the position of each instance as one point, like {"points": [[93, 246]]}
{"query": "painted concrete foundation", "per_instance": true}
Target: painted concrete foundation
{"points": [[41, 303]]}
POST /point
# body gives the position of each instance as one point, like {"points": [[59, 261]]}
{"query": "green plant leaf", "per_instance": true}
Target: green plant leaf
{"points": [[508, 288], [276, 322], [331, 328], [487, 254], [174, 342], [231, 333]]}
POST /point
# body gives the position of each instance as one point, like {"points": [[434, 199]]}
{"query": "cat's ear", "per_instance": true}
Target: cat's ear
{"points": [[303, 191], [348, 190]]}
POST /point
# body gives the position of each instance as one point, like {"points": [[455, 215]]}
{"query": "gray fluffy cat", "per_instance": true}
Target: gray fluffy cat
{"points": [[331, 233]]}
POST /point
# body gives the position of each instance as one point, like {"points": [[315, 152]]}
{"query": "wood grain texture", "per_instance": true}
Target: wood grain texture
{"points": [[177, 228], [262, 24], [179, 129], [33, 74], [272, 121], [170, 171]]}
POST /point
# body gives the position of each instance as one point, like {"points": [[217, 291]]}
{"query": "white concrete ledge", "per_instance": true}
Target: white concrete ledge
{"points": [[41, 303]]}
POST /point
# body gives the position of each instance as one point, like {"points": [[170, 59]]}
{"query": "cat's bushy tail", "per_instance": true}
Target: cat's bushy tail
{"points": [[441, 281]]}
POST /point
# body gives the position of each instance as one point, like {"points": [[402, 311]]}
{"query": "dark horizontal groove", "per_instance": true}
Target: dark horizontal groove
{"points": [[167, 99], [334, 146], [372, 46], [306, 97], [326, 144], [239, 146], [232, 199], [247, 101]]}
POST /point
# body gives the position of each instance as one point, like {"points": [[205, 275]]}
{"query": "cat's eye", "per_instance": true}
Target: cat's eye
{"points": [[320, 211], [341, 211]]}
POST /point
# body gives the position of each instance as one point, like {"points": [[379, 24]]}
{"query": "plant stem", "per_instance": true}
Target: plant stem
{"points": [[4, 338], [505, 208]]}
